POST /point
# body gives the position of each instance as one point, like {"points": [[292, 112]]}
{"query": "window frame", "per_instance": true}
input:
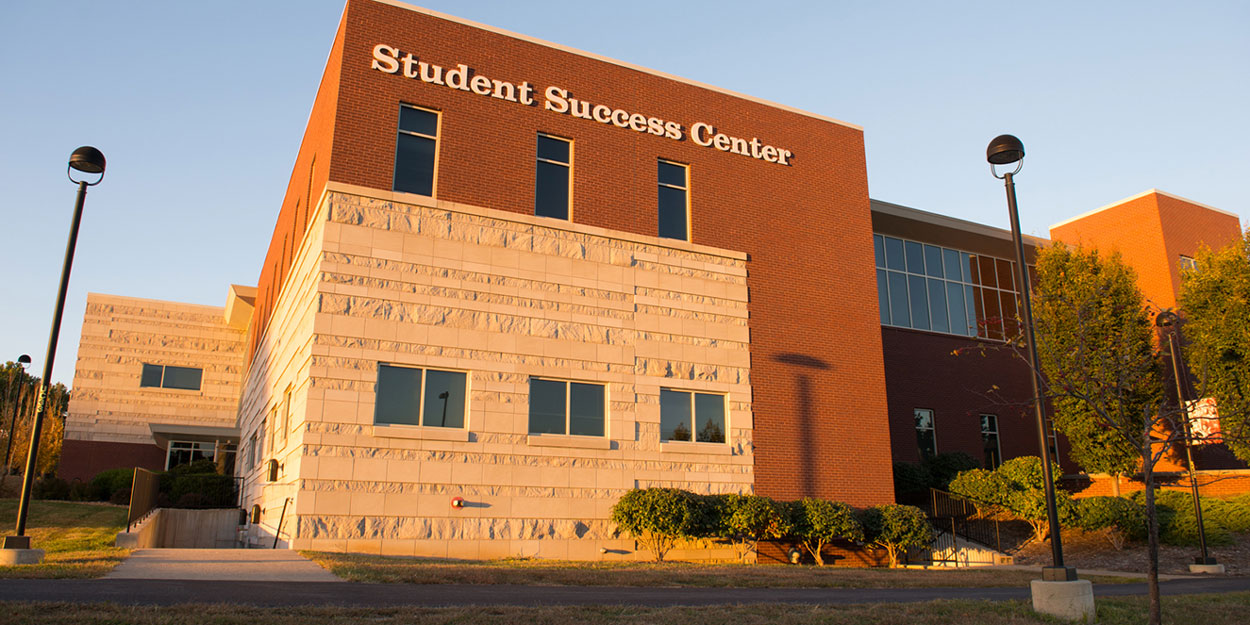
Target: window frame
{"points": [[932, 429], [438, 132], [1186, 263], [568, 402], [694, 416], [568, 166], [685, 194], [420, 424], [998, 441], [195, 447], [162, 378]]}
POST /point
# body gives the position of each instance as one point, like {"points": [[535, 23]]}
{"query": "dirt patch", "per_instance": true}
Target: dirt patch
{"points": [[1087, 550]]}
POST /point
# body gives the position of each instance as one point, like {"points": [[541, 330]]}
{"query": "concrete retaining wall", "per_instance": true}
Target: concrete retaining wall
{"points": [[184, 529]]}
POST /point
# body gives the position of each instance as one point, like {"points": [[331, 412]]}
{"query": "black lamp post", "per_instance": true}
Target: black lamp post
{"points": [[1006, 150], [24, 361], [86, 160], [1170, 323]]}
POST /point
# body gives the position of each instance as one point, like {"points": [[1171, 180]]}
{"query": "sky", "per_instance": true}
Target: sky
{"points": [[199, 108]]}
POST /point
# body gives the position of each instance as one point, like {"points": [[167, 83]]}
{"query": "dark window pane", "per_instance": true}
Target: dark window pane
{"points": [[958, 312], [878, 249], [675, 421], [553, 149], [586, 409], [883, 297], [547, 407], [894, 254], [986, 271], [673, 213], [1006, 275], [993, 316], [925, 437], [919, 303], [444, 398], [933, 261], [1032, 276], [398, 395], [1007, 304], [551, 194], [900, 315], [187, 378], [972, 306], [915, 257], [954, 271], [414, 165], [672, 174], [151, 375], [937, 305], [709, 413], [417, 120], [971, 275]]}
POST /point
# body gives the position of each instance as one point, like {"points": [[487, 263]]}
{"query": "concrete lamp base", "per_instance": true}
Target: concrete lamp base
{"points": [[20, 556], [1072, 601], [1209, 569]]}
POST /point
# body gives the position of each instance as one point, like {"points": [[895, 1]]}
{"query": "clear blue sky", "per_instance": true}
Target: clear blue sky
{"points": [[200, 106]]}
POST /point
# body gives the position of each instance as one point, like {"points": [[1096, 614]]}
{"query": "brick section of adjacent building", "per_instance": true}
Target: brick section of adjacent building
{"points": [[1210, 484], [816, 368], [82, 460]]}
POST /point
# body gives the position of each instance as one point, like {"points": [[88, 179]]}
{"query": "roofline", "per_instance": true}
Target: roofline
{"points": [[1142, 195], [907, 212], [597, 57], [98, 296]]}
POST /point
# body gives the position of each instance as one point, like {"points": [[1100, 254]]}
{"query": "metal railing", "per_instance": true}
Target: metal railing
{"points": [[956, 518], [144, 490]]}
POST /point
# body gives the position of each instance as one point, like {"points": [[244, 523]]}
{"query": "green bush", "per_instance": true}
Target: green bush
{"points": [[658, 517], [201, 466], [1233, 514], [1177, 523], [1017, 486], [748, 519], [943, 467], [214, 490], [50, 487], [896, 528], [911, 480], [105, 483], [1119, 519], [817, 522]]}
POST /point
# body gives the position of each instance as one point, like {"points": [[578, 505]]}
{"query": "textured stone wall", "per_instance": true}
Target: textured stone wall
{"points": [[507, 297], [119, 335]]}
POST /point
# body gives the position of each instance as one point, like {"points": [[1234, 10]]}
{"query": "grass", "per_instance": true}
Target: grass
{"points": [[77, 538], [1222, 609], [406, 570]]}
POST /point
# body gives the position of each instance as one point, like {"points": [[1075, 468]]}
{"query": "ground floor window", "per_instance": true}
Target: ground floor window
{"points": [[186, 452], [989, 441], [567, 407], [926, 433], [690, 416]]}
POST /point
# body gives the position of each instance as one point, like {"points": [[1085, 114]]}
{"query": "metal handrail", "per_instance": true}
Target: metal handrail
{"points": [[144, 490]]}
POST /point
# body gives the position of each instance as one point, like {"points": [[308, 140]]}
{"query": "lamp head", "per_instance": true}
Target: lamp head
{"points": [[24, 360], [1166, 319], [87, 160], [1004, 150]]}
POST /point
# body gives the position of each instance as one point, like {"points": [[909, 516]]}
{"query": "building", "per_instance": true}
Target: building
{"points": [[510, 281]]}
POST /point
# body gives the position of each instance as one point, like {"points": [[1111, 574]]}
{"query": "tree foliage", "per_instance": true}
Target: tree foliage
{"points": [[1215, 300], [1017, 486], [896, 528], [1118, 519], [1095, 344], [18, 391], [658, 517], [747, 519], [818, 522]]}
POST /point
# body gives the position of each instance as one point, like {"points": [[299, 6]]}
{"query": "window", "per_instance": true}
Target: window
{"points": [[933, 288], [989, 441], [686, 415], [185, 452], [428, 397], [563, 407], [1187, 264], [284, 423], [416, 150], [926, 435], [251, 450], [161, 376], [554, 184], [674, 197]]}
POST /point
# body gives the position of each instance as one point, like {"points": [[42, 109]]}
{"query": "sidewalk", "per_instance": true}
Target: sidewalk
{"points": [[1098, 572], [239, 565]]}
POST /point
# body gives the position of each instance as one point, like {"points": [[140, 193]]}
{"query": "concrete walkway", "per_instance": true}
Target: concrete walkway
{"points": [[1095, 572], [265, 565]]}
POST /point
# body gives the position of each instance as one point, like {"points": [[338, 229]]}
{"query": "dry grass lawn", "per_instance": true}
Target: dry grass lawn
{"points": [[77, 538]]}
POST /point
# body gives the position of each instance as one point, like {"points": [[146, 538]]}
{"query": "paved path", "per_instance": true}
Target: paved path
{"points": [[171, 592], [266, 565]]}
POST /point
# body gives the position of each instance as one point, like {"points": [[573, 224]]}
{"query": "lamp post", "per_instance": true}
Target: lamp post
{"points": [[1169, 322], [1006, 150], [86, 160], [24, 361]]}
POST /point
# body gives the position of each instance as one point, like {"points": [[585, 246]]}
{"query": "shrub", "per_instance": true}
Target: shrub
{"points": [[896, 528], [817, 522], [120, 497], [1119, 519], [658, 517], [106, 483], [1017, 486], [50, 487], [748, 519], [201, 466], [1177, 523], [216, 490], [1233, 514], [81, 491], [911, 480], [943, 467]]}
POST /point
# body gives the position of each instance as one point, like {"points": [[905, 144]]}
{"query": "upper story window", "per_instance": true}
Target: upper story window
{"points": [[926, 432], [162, 376], [690, 416], [674, 200], [428, 397], [1187, 264], [554, 177], [989, 441], [416, 150], [566, 407], [927, 287]]}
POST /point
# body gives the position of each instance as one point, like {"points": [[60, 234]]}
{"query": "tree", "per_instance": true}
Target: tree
{"points": [[748, 519], [658, 517], [18, 392], [817, 522], [1215, 301], [896, 528], [1096, 346]]}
